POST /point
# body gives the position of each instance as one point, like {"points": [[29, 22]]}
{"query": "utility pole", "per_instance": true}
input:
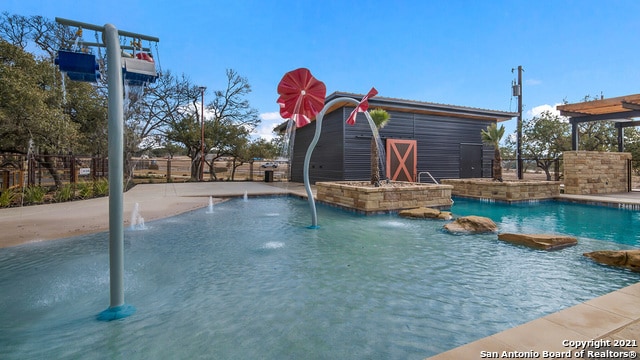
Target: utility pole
{"points": [[517, 91], [202, 154]]}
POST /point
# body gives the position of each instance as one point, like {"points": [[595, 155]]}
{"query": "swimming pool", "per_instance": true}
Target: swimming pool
{"points": [[251, 281]]}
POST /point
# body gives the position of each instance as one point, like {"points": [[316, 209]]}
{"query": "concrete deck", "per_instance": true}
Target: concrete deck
{"points": [[615, 316]]}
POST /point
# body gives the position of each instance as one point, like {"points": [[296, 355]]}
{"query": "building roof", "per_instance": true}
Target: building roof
{"points": [[422, 107], [418, 107]]}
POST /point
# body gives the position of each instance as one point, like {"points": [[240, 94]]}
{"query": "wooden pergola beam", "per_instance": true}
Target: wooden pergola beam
{"points": [[621, 109]]}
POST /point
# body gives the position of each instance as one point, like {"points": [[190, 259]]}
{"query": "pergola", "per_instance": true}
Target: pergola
{"points": [[622, 110]]}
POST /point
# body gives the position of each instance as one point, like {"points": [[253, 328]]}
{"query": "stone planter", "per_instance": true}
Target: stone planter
{"points": [[394, 196], [508, 191]]}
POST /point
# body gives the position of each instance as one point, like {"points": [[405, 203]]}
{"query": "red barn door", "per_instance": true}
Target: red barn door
{"points": [[402, 158]]}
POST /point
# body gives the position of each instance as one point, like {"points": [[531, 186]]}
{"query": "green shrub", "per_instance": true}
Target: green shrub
{"points": [[34, 194], [65, 193], [7, 197], [101, 187], [85, 190]]}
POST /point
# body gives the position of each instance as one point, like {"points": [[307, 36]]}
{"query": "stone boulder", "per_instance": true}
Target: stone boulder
{"points": [[471, 225], [629, 259], [425, 213], [539, 241]]}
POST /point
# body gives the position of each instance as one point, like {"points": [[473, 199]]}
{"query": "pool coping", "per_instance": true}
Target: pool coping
{"points": [[613, 317]]}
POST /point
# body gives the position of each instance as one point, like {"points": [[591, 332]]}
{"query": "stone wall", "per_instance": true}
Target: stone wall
{"points": [[389, 197], [594, 172], [504, 191]]}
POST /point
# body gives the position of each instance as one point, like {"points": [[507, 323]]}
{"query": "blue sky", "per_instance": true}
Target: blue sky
{"points": [[451, 52]]}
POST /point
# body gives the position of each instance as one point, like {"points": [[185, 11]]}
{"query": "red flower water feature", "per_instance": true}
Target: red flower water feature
{"points": [[301, 96], [362, 106], [302, 99]]}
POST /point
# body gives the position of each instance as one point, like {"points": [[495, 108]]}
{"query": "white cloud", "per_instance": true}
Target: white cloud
{"points": [[537, 110], [269, 121], [271, 116]]}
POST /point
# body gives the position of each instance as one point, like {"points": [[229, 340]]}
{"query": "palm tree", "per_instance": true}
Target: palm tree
{"points": [[492, 136], [380, 118]]}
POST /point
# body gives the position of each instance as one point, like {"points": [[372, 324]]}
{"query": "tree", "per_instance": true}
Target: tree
{"points": [[86, 107], [186, 131], [34, 106], [380, 118], [230, 110], [14, 29], [230, 119], [237, 147], [598, 136], [632, 145], [261, 148], [544, 139], [492, 137], [156, 111], [31, 116]]}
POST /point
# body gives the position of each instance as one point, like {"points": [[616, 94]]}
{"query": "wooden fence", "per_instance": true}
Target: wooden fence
{"points": [[17, 170]]}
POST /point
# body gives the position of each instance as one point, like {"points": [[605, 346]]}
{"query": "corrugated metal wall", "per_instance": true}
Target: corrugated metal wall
{"points": [[438, 140], [327, 158]]}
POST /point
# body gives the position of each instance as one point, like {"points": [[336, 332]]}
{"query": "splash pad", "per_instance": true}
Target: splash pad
{"points": [[367, 286]]}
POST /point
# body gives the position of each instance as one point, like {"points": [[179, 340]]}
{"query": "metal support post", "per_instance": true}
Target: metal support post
{"points": [[117, 308]]}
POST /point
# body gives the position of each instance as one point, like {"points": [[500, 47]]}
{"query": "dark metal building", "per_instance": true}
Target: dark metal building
{"points": [[444, 140]]}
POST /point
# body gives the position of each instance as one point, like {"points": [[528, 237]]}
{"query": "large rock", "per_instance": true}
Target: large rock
{"points": [[425, 213], [471, 225], [629, 259], [539, 241]]}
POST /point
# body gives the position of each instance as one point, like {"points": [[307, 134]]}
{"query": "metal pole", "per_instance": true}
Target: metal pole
{"points": [[102, 28], [519, 135], [117, 308], [110, 36], [202, 89], [312, 146]]}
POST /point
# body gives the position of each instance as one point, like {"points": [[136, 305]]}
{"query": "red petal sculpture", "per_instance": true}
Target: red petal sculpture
{"points": [[362, 106], [301, 96]]}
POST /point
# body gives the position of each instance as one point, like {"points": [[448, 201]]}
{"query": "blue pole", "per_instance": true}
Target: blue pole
{"points": [[117, 308]]}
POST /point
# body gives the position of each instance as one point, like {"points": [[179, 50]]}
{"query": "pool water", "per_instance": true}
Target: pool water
{"points": [[587, 221], [249, 280]]}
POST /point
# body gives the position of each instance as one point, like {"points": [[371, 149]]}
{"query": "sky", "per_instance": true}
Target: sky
{"points": [[458, 52]]}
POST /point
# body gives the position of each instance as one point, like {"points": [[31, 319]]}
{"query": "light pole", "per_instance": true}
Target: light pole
{"points": [[202, 154]]}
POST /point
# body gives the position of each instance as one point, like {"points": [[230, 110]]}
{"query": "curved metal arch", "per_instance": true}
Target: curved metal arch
{"points": [[314, 142]]}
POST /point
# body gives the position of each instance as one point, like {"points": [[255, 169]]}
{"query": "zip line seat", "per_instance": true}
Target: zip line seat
{"points": [[78, 66], [138, 71]]}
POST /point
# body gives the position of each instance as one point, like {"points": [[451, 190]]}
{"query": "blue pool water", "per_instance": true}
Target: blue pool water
{"points": [[586, 221], [249, 280]]}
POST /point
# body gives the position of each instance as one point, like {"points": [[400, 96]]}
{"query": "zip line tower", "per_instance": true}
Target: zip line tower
{"points": [[120, 70]]}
